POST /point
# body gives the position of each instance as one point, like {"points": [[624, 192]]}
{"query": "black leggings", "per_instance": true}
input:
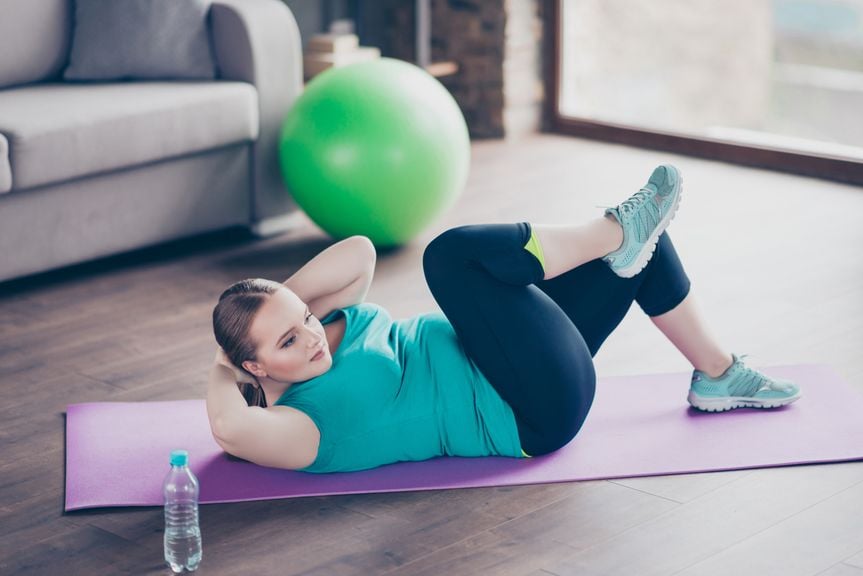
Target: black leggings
{"points": [[534, 339]]}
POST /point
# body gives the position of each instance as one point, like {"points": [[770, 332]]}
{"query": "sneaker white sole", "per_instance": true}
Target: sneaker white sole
{"points": [[732, 402], [650, 246]]}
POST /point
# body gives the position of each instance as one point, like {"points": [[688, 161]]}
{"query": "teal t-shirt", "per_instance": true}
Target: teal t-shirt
{"points": [[401, 390]]}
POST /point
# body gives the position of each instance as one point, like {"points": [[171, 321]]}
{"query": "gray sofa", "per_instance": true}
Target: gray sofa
{"points": [[93, 169]]}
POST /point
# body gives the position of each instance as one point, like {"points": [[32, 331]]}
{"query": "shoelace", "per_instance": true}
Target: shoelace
{"points": [[631, 207], [750, 382], [643, 213]]}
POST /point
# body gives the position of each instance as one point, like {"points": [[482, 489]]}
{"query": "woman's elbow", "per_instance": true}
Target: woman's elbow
{"points": [[221, 431], [371, 258], [366, 247], [223, 445]]}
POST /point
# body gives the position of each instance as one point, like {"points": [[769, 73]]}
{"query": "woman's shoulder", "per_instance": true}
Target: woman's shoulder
{"points": [[357, 319], [363, 310], [359, 306]]}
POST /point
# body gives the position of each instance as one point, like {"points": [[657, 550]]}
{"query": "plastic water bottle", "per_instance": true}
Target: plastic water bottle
{"points": [[182, 532]]}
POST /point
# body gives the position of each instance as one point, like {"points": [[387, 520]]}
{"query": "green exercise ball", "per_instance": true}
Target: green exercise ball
{"points": [[377, 148]]}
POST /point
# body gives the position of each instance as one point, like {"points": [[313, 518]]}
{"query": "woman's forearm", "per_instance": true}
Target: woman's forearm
{"points": [[347, 263], [225, 402]]}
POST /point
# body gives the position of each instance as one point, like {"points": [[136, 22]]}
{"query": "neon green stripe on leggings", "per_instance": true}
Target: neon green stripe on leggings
{"points": [[534, 247]]}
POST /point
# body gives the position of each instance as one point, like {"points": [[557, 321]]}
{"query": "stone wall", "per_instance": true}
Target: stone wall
{"points": [[523, 71], [497, 47]]}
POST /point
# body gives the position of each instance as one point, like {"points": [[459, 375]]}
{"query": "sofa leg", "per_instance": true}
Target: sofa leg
{"points": [[278, 224]]}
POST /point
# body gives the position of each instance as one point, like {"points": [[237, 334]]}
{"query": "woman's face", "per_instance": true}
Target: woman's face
{"points": [[288, 339]]}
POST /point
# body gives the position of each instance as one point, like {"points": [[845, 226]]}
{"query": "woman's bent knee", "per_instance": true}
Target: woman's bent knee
{"points": [[449, 240], [446, 251]]}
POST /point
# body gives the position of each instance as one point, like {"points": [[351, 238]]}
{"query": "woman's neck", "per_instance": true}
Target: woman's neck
{"points": [[273, 389]]}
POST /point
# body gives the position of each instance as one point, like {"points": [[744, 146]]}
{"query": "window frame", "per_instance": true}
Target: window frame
{"points": [[822, 166]]}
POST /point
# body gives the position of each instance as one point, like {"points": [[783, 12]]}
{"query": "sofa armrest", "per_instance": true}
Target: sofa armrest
{"points": [[258, 41]]}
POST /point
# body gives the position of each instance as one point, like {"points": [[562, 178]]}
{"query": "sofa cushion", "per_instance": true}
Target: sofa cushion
{"points": [[5, 170], [141, 39], [61, 131], [34, 40]]}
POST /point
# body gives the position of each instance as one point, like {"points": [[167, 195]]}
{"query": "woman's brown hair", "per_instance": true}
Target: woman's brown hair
{"points": [[232, 320]]}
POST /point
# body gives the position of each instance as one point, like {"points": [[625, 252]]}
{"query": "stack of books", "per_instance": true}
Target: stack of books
{"points": [[324, 51]]}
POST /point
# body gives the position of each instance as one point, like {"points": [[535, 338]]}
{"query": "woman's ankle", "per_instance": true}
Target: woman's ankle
{"points": [[616, 231], [718, 367]]}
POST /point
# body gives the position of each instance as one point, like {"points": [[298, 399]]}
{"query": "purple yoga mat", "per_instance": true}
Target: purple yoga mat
{"points": [[117, 452]]}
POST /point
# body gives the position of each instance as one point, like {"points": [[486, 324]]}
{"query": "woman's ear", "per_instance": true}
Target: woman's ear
{"points": [[254, 368]]}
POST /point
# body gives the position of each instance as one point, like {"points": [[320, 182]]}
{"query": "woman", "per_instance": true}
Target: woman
{"points": [[330, 383]]}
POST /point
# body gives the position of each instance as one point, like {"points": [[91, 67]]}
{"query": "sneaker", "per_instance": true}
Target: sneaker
{"points": [[644, 216], [740, 387]]}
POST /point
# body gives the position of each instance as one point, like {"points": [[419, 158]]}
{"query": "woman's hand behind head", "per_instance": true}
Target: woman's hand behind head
{"points": [[240, 375]]}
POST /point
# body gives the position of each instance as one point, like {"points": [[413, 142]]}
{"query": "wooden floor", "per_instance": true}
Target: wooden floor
{"points": [[776, 268]]}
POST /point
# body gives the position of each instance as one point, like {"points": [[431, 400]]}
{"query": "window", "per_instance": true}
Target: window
{"points": [[775, 83]]}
